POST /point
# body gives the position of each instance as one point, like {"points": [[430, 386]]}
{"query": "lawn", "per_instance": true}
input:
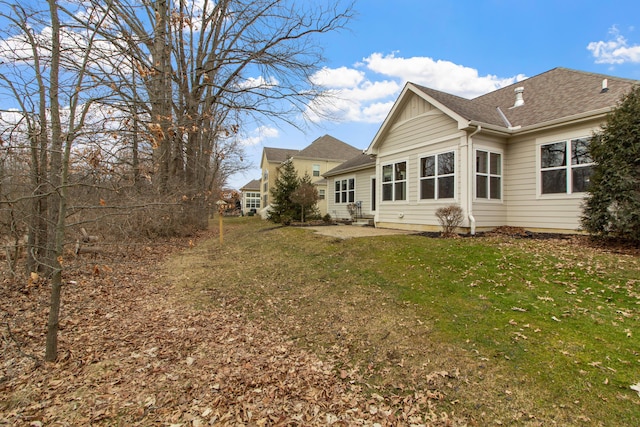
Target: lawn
{"points": [[492, 329]]}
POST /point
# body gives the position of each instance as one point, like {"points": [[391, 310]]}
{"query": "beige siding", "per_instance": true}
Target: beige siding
{"points": [[525, 206], [362, 193], [418, 131], [302, 166], [427, 134], [306, 166], [488, 213], [413, 107], [522, 205], [267, 180]]}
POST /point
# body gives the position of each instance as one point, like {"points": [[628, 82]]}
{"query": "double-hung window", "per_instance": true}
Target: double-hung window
{"points": [[488, 175], [252, 200], [438, 176], [345, 190], [565, 167], [394, 181], [316, 170]]}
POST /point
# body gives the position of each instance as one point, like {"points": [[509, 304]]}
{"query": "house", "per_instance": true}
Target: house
{"points": [[322, 155], [251, 197], [517, 156]]}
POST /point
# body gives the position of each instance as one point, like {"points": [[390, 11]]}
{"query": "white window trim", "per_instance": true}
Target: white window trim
{"points": [[556, 196], [393, 182], [355, 184], [373, 189], [455, 176], [475, 174]]}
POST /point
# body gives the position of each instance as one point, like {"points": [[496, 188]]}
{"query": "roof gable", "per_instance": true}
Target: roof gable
{"points": [[278, 155], [442, 101], [253, 185], [328, 148]]}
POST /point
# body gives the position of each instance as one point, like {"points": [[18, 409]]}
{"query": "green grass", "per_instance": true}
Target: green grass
{"points": [[539, 331]]}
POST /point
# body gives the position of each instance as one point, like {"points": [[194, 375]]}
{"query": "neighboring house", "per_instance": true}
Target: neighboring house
{"points": [[320, 156], [251, 199], [272, 159], [516, 156]]}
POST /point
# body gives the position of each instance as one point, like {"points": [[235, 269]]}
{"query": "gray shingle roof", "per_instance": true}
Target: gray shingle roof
{"points": [[328, 148], [359, 162], [553, 95], [251, 185], [279, 155]]}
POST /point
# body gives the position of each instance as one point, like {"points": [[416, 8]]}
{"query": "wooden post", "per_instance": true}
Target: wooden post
{"points": [[221, 207], [221, 232]]}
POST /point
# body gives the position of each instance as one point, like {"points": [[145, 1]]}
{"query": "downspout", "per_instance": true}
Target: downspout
{"points": [[472, 219]]}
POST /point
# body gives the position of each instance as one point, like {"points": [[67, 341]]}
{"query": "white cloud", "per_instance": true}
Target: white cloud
{"points": [[615, 51], [259, 134], [370, 91], [359, 95], [377, 112], [342, 77], [259, 82], [437, 74]]}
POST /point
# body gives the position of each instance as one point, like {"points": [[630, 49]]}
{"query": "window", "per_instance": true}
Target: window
{"points": [[321, 194], [565, 167], [345, 190], [488, 175], [394, 181], [252, 200], [316, 170], [437, 176]]}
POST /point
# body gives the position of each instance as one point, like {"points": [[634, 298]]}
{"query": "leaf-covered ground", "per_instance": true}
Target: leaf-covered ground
{"points": [[131, 352]]}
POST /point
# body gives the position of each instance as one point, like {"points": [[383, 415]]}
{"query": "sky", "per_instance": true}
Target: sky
{"points": [[463, 47]]}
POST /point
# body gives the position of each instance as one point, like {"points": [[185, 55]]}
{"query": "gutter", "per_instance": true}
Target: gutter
{"points": [[519, 130], [472, 219]]}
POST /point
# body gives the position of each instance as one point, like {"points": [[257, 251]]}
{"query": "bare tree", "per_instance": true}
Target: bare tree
{"points": [[53, 107], [153, 94], [208, 67]]}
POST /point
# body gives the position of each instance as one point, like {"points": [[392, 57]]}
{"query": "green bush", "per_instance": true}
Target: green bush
{"points": [[612, 207]]}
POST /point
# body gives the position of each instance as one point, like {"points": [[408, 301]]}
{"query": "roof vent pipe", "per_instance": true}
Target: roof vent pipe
{"points": [[605, 86], [519, 98]]}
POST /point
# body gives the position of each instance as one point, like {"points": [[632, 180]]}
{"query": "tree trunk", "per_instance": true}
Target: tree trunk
{"points": [[51, 352], [54, 243], [161, 95]]}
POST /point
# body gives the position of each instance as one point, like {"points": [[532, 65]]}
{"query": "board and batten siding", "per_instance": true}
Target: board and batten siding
{"points": [[409, 139], [526, 207]]}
